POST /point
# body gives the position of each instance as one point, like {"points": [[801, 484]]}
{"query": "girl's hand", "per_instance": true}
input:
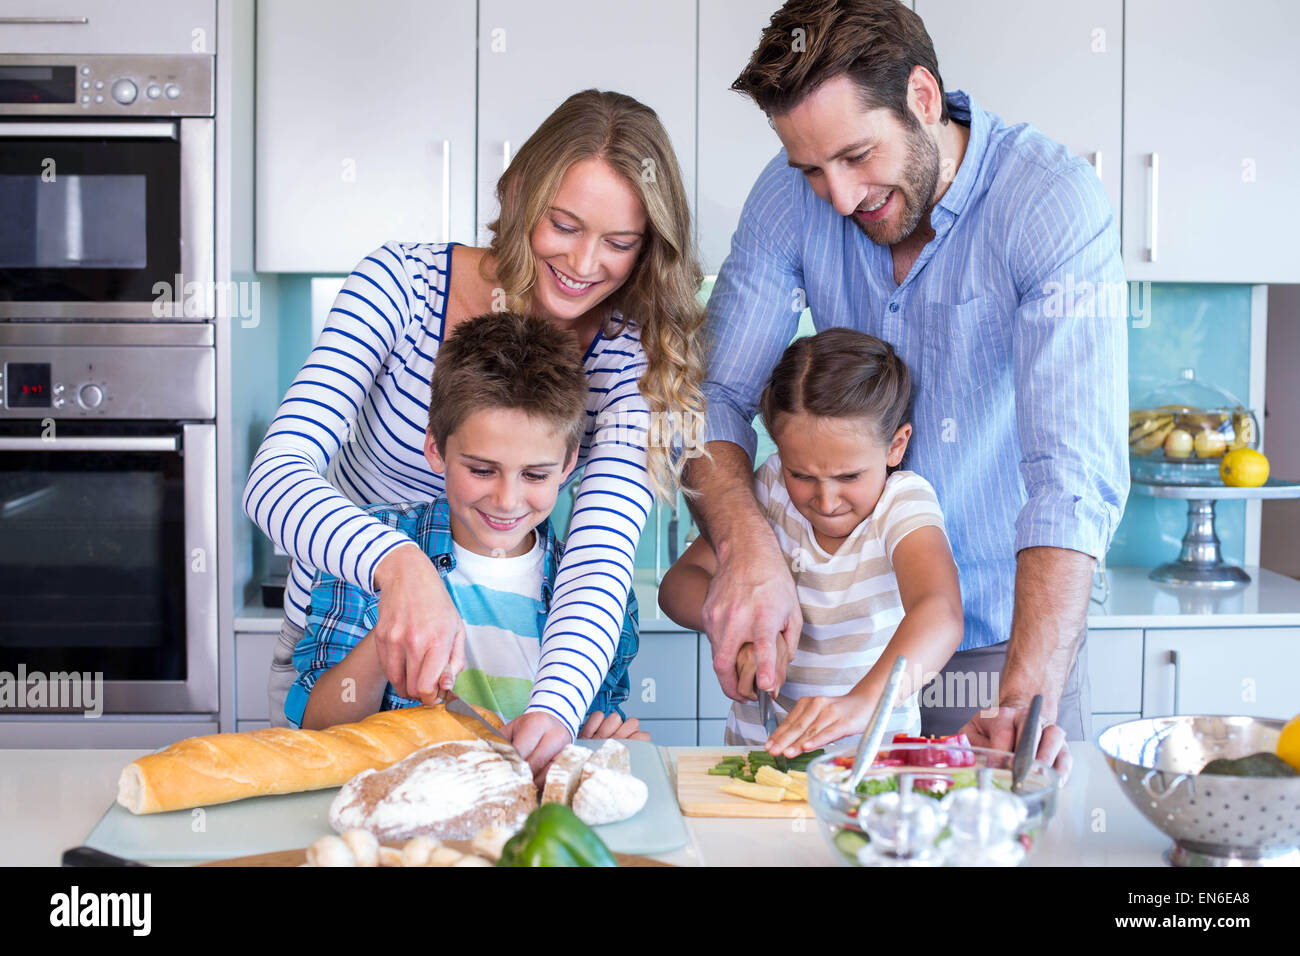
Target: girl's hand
{"points": [[419, 636], [747, 669], [816, 721], [603, 726]]}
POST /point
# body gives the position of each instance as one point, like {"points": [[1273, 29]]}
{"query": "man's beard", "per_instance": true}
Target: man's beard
{"points": [[921, 176]]}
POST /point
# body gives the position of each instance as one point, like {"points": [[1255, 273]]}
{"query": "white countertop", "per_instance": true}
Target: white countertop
{"points": [[1135, 601], [50, 800]]}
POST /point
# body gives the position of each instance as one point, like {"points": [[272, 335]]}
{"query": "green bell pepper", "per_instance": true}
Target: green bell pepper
{"points": [[553, 836]]}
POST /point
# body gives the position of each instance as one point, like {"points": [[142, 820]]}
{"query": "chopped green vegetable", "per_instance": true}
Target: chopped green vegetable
{"points": [[1262, 764]]}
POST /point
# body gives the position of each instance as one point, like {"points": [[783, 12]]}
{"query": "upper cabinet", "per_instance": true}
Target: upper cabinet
{"points": [[532, 56], [365, 128], [108, 26], [736, 140], [1058, 66], [1210, 186]]}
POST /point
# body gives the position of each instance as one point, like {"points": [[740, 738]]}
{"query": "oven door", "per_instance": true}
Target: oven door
{"points": [[107, 562], [101, 217]]}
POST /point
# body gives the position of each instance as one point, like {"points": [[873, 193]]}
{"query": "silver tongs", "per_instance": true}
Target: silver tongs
{"points": [[870, 743]]}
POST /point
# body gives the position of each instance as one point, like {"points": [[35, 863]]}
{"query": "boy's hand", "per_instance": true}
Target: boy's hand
{"points": [[747, 669], [538, 737], [816, 721], [602, 726]]}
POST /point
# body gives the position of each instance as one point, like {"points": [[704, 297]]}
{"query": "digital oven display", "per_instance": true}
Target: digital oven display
{"points": [[38, 84], [27, 384]]}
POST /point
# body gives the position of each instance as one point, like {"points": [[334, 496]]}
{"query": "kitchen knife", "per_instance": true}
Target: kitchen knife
{"points": [[1027, 746], [767, 713], [457, 706]]}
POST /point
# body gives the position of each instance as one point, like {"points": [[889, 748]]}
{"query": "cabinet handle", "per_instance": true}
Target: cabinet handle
{"points": [[446, 190], [1096, 163], [43, 21], [1173, 659], [1153, 162], [505, 156]]}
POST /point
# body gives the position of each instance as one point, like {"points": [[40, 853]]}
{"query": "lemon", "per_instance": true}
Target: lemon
{"points": [[1288, 744], [1244, 468]]}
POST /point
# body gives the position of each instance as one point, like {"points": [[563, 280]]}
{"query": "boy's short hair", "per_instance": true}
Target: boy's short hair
{"points": [[507, 360]]}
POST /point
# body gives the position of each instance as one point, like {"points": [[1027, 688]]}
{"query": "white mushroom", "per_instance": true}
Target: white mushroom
{"points": [[330, 851]]}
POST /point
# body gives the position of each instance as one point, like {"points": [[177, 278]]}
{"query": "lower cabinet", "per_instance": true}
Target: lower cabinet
{"points": [[712, 733], [253, 651], [662, 677], [670, 733], [1246, 671], [1102, 721]]}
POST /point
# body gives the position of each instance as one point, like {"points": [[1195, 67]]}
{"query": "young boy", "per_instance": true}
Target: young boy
{"points": [[504, 435]]}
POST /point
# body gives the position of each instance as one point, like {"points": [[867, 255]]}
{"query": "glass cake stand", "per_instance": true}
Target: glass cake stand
{"points": [[1201, 564]]}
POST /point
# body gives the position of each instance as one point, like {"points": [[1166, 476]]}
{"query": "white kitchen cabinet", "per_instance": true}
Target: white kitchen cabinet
{"points": [[736, 140], [1115, 670], [670, 733], [365, 129], [712, 733], [111, 26], [1058, 66], [253, 653], [1247, 671], [1207, 93], [533, 56], [662, 677], [713, 703]]}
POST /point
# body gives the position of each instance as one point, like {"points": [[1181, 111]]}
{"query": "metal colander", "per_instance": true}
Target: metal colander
{"points": [[1213, 820]]}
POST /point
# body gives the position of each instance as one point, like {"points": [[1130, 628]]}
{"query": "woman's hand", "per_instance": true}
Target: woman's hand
{"points": [[816, 721], [419, 635], [602, 726]]}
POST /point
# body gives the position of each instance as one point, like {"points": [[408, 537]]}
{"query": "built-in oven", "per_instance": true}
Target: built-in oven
{"points": [[106, 187], [108, 523]]}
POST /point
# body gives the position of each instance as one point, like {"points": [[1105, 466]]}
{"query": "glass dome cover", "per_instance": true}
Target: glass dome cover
{"points": [[1180, 431]]}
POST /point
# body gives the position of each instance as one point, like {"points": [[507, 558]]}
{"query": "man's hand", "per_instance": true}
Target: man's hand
{"points": [[611, 725], [538, 736], [816, 721], [752, 600], [1002, 730], [419, 636], [747, 669]]}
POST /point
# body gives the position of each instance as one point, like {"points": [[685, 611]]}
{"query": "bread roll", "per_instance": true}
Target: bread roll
{"points": [[202, 771]]}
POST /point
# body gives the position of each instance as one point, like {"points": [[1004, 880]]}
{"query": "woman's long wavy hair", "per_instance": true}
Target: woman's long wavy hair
{"points": [[659, 297]]}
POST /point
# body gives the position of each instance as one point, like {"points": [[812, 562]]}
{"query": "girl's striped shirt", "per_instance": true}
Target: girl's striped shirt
{"points": [[850, 601], [350, 432]]}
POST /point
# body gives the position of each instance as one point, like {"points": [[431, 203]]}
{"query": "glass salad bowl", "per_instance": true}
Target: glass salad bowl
{"points": [[946, 802], [1179, 432]]}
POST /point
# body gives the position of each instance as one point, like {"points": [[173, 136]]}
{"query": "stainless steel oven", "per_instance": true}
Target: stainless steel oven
{"points": [[106, 187], [108, 523]]}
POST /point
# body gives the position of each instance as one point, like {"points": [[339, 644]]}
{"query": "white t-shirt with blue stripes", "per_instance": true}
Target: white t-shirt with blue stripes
{"points": [[350, 432]]}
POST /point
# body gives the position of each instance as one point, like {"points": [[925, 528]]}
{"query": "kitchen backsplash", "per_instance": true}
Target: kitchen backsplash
{"points": [[1205, 327]]}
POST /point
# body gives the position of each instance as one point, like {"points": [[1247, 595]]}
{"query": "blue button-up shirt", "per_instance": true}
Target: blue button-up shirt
{"points": [[1011, 320], [341, 614]]}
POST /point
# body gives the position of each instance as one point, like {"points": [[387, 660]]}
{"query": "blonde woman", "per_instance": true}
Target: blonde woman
{"points": [[593, 235]]}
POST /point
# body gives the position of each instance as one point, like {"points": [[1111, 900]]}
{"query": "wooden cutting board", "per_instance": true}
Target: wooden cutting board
{"points": [[299, 857], [700, 795]]}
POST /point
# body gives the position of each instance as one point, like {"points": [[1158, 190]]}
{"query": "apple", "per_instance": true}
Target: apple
{"points": [[1179, 444]]}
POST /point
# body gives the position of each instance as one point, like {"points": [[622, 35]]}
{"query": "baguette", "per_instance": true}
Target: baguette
{"points": [[219, 768]]}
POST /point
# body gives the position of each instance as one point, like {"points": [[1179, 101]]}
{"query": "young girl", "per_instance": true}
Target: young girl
{"points": [[865, 543]]}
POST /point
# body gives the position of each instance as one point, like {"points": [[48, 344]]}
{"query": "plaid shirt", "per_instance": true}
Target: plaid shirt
{"points": [[341, 614]]}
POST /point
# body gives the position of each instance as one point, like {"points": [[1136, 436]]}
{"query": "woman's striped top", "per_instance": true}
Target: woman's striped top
{"points": [[350, 432], [850, 600]]}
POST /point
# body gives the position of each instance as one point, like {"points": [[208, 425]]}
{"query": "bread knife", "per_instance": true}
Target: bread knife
{"points": [[458, 706]]}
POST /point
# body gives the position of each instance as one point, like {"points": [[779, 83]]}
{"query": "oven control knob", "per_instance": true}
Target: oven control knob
{"points": [[90, 396], [154, 91], [172, 90], [124, 92]]}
